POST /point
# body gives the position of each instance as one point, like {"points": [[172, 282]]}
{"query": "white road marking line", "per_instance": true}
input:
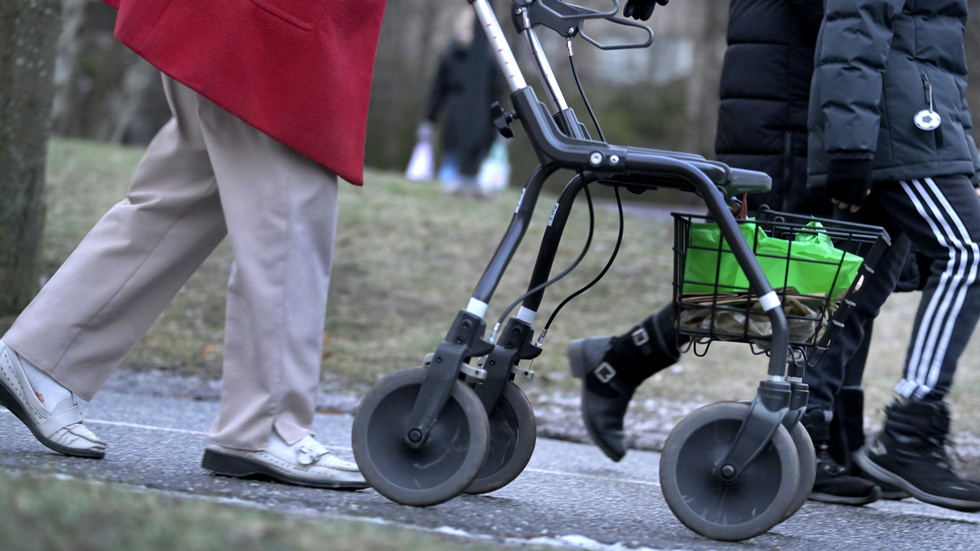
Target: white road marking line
{"points": [[203, 433], [144, 427], [594, 477]]}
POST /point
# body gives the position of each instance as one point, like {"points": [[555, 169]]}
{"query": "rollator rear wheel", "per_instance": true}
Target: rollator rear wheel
{"points": [[808, 467], [747, 506], [447, 462], [513, 433]]}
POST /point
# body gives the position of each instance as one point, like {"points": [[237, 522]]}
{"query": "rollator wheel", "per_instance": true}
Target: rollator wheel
{"points": [[739, 509], [439, 470], [513, 433], [808, 467]]}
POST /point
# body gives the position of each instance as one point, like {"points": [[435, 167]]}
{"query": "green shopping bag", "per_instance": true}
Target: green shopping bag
{"points": [[809, 262]]}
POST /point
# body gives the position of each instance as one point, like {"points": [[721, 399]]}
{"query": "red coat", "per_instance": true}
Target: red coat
{"points": [[298, 70]]}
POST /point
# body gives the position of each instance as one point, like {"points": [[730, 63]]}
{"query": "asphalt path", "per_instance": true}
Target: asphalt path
{"points": [[570, 495]]}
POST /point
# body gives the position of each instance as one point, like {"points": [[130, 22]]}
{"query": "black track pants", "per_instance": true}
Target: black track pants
{"points": [[940, 217]]}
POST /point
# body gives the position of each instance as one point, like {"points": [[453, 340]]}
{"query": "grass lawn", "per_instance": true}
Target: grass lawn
{"points": [[46, 514], [407, 260]]}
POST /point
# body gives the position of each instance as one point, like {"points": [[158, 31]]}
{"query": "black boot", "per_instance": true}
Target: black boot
{"points": [[910, 452], [611, 368], [833, 484]]}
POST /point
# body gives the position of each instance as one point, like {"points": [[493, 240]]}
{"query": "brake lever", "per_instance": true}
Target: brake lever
{"points": [[568, 21], [626, 23]]}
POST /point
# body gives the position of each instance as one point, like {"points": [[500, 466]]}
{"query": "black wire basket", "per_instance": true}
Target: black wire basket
{"points": [[813, 264]]}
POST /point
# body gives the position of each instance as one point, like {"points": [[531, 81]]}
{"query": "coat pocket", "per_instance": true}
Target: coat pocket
{"points": [[304, 14]]}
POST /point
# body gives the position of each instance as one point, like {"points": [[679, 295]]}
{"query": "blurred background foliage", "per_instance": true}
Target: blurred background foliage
{"points": [[664, 96], [658, 96]]}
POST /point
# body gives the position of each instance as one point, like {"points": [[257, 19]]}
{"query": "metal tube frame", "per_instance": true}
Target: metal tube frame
{"points": [[569, 148]]}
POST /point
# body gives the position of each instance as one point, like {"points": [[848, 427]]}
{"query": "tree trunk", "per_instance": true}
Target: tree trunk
{"points": [[28, 34], [66, 63]]}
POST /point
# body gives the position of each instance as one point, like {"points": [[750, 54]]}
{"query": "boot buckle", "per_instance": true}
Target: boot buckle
{"points": [[604, 372], [640, 337]]}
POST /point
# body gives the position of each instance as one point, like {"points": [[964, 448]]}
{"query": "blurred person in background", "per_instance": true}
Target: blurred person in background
{"points": [[467, 81]]}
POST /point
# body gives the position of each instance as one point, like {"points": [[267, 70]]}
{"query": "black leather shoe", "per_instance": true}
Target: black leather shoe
{"points": [[605, 397]]}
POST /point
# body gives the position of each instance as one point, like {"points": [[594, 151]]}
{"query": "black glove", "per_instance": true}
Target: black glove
{"points": [[849, 182], [641, 9]]}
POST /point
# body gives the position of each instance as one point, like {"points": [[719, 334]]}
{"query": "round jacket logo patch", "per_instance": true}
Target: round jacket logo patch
{"points": [[927, 119]]}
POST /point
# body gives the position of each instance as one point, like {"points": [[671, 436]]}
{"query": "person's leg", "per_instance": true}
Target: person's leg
{"points": [[950, 304], [97, 306], [449, 171], [847, 424], [281, 212], [469, 170], [942, 217], [842, 361], [835, 482], [111, 289], [826, 378]]}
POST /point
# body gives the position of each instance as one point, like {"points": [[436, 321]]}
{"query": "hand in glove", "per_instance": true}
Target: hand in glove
{"points": [[641, 9], [849, 182]]}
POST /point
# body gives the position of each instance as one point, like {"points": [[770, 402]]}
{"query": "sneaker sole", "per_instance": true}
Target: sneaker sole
{"points": [[229, 465], [873, 469], [9, 401]]}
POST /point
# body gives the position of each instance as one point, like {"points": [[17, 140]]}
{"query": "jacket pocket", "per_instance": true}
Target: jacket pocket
{"points": [[304, 14]]}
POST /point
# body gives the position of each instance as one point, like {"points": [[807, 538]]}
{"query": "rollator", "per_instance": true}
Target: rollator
{"points": [[729, 470]]}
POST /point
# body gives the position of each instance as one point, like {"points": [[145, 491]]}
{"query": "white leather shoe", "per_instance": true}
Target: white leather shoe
{"points": [[305, 463], [60, 429]]}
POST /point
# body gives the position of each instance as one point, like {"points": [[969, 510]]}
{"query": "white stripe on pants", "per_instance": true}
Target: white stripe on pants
{"points": [[928, 350]]}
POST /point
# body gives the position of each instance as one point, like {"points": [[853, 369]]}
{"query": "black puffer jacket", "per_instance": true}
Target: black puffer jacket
{"points": [[765, 86], [876, 63]]}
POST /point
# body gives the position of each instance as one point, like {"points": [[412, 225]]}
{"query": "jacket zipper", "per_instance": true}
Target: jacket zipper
{"points": [[927, 89]]}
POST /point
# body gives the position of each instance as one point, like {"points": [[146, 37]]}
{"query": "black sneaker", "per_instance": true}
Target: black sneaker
{"points": [[833, 484], [910, 453]]}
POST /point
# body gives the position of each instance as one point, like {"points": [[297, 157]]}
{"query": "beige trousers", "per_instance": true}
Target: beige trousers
{"points": [[206, 174]]}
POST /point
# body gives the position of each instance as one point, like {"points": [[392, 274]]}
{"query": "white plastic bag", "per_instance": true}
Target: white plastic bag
{"points": [[495, 170], [420, 166]]}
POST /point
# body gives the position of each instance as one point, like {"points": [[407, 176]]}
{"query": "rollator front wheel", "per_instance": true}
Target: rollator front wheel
{"points": [[513, 433], [443, 466], [726, 510], [808, 467]]}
